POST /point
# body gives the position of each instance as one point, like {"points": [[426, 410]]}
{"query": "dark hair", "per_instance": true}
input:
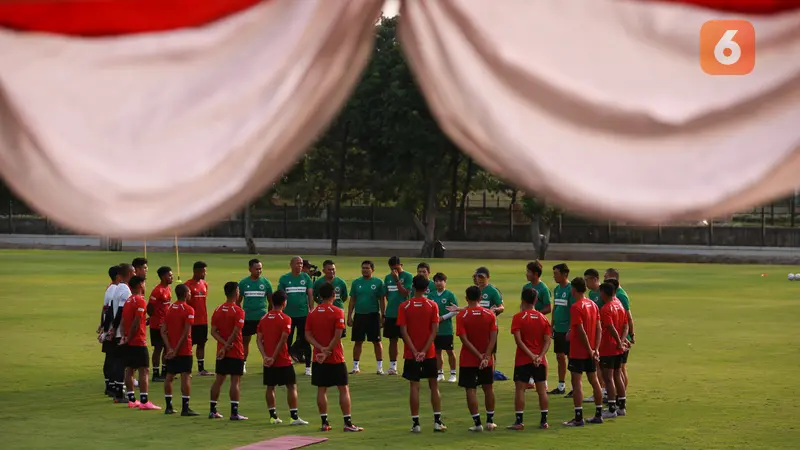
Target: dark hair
{"points": [[579, 284], [125, 269], [135, 282], [591, 273], [420, 283], [163, 270], [440, 276], [424, 265], [230, 288], [613, 273], [473, 293], [326, 291], [328, 262], [535, 267], [278, 298], [199, 265], [562, 268], [394, 260], [614, 282], [113, 271], [608, 289], [369, 263], [139, 262], [252, 262], [181, 290], [530, 296]]}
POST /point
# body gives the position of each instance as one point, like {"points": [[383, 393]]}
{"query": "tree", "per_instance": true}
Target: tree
{"points": [[542, 216]]}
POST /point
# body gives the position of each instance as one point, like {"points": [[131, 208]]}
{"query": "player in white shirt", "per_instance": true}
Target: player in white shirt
{"points": [[121, 295], [105, 325]]}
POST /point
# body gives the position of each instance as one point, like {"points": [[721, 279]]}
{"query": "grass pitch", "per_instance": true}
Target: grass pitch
{"points": [[715, 364]]}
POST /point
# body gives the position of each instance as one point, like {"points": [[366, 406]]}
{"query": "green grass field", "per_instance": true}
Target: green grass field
{"points": [[715, 364]]}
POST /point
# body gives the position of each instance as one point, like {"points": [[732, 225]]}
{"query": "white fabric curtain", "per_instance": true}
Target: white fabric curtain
{"points": [[165, 133]]}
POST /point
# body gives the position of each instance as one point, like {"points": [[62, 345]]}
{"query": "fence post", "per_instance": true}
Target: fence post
{"points": [[772, 214], [659, 234], [792, 207], [11, 216], [608, 231], [372, 221], [710, 232], [763, 227], [484, 201], [285, 221]]}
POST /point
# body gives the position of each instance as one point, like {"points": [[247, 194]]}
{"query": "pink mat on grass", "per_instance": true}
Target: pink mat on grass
{"points": [[283, 443]]}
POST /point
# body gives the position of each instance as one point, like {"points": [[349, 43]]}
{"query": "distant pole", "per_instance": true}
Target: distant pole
{"points": [[608, 230], [763, 227], [772, 214], [339, 188], [11, 216], [792, 208], [659, 234], [285, 221], [711, 232], [484, 201], [372, 221]]}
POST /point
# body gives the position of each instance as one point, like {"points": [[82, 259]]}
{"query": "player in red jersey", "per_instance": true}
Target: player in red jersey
{"points": [[324, 327], [134, 338], [156, 309], [477, 328], [532, 332], [226, 328], [199, 293], [614, 320], [176, 334], [584, 336], [140, 270], [418, 319], [273, 333]]}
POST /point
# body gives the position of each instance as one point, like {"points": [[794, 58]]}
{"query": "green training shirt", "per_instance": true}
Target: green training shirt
{"points": [[296, 293], [595, 297], [431, 288], [491, 296], [443, 300], [626, 302], [339, 289], [254, 297], [562, 301], [542, 294], [393, 297], [367, 293]]}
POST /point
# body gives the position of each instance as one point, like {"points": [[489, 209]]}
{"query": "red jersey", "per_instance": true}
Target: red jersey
{"points": [[583, 312], [226, 317], [612, 313], [418, 315], [476, 324], [322, 322], [177, 316], [272, 326], [533, 326], [197, 300], [135, 307], [159, 298]]}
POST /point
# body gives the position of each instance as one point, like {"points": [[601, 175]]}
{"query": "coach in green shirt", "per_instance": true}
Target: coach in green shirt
{"points": [[397, 288], [562, 300], [612, 275], [368, 302], [255, 296], [339, 285], [534, 276], [592, 277], [299, 301]]}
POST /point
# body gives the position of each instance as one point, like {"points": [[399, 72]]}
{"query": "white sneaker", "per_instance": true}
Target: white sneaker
{"points": [[275, 421], [439, 427], [621, 412], [452, 378], [244, 368], [490, 426], [355, 371], [308, 371], [440, 377], [380, 372], [416, 429], [609, 414], [135, 382], [392, 372], [298, 422], [476, 428]]}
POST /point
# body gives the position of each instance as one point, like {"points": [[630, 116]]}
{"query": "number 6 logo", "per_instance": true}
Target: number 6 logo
{"points": [[727, 47]]}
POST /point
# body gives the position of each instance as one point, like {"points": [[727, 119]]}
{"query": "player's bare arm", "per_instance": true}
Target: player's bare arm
{"points": [[269, 302], [382, 305], [167, 348], [466, 343], [545, 346], [350, 307], [583, 338], [630, 324], [310, 295], [621, 343], [597, 337], [262, 350], [132, 330], [524, 348], [278, 347], [432, 337], [217, 337], [239, 300], [187, 328], [229, 343], [337, 338], [492, 342], [310, 339], [407, 339], [547, 309]]}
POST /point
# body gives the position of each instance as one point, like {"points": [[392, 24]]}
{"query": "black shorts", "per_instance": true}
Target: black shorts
{"points": [[523, 374], [611, 362], [366, 327], [250, 327], [472, 377], [581, 365], [199, 334], [443, 342], [136, 357], [108, 347], [328, 375], [279, 376], [415, 371], [560, 343], [180, 364], [390, 328], [230, 366], [155, 337], [624, 359]]}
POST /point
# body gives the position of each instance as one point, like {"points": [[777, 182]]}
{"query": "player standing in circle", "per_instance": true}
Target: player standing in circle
{"points": [[592, 277], [140, 270], [476, 326], [299, 301], [226, 328], [273, 334], [339, 287], [255, 298], [444, 337], [583, 352], [613, 274], [198, 289], [563, 300], [418, 319], [121, 296], [397, 288], [160, 297], [134, 339], [106, 322], [369, 304], [176, 333], [531, 331], [491, 299], [612, 346], [533, 274], [424, 270], [324, 333]]}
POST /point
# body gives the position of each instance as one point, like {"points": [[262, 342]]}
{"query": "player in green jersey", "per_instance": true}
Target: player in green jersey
{"points": [[424, 270], [255, 298], [368, 302], [397, 289], [491, 299], [562, 300], [339, 285], [444, 337], [592, 278], [299, 301], [533, 274], [613, 274]]}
